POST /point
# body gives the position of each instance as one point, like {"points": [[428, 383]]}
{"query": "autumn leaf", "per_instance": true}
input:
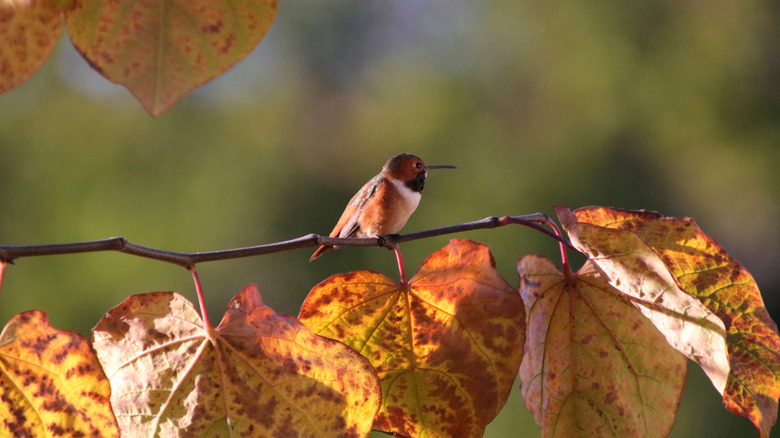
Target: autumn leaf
{"points": [[447, 347], [163, 49], [635, 269], [28, 31], [258, 374], [51, 383], [705, 271], [594, 365]]}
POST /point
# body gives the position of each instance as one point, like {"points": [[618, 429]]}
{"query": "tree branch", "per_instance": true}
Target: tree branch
{"points": [[10, 252]]}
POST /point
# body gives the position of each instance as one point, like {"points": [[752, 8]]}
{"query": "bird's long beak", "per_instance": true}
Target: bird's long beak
{"points": [[440, 166]]}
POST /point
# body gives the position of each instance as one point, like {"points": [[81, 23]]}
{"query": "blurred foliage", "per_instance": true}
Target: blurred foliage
{"points": [[671, 106]]}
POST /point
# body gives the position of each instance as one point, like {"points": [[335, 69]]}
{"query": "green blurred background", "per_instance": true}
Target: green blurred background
{"points": [[671, 106]]}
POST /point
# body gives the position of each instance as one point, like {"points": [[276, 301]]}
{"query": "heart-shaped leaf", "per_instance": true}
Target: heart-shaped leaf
{"points": [[259, 373], [594, 365], [447, 347], [162, 49], [635, 269], [707, 273]]}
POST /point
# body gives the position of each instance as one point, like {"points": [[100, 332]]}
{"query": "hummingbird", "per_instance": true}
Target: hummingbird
{"points": [[384, 204]]}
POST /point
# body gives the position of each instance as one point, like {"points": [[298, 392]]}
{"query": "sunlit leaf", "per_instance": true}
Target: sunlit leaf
{"points": [[706, 271], [594, 365], [633, 268], [51, 383], [29, 29], [162, 49], [447, 348], [258, 374]]}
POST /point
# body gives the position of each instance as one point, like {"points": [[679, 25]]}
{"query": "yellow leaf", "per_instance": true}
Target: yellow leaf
{"points": [[29, 29], [51, 383], [258, 374], [163, 49], [446, 349], [708, 273], [636, 270], [594, 366]]}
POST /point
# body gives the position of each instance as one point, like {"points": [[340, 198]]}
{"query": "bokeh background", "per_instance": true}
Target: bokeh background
{"points": [[671, 106]]}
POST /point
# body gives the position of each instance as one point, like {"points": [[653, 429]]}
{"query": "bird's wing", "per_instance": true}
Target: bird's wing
{"points": [[348, 224]]}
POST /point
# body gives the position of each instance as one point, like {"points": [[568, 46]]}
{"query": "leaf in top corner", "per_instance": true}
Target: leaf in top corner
{"points": [[161, 50], [705, 271], [259, 373], [447, 348], [49, 381], [28, 32]]}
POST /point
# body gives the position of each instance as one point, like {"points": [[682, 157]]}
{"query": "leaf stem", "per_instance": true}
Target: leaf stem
{"points": [[3, 263], [202, 302], [401, 271], [564, 255]]}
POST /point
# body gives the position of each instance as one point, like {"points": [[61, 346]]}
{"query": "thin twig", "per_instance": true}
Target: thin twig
{"points": [[202, 302], [3, 264], [10, 252]]}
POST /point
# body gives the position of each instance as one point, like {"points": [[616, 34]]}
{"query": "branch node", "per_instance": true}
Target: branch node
{"points": [[121, 242], [314, 238], [390, 241]]}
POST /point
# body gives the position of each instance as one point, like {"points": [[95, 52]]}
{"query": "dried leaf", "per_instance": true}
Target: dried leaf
{"points": [[594, 365], [28, 32], [446, 349], [51, 384], [636, 270], [258, 374], [708, 273], [160, 49]]}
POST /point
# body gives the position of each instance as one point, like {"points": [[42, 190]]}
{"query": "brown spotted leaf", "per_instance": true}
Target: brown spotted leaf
{"points": [[632, 267], [708, 273], [258, 374], [51, 383], [28, 32], [163, 49], [594, 365], [447, 348]]}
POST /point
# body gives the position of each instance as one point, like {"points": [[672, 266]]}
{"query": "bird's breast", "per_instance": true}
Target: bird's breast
{"points": [[390, 209]]}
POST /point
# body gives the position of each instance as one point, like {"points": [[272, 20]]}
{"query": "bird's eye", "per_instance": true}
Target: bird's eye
{"points": [[418, 165]]}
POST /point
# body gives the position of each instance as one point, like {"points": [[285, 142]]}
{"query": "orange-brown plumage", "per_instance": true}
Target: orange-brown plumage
{"points": [[384, 204]]}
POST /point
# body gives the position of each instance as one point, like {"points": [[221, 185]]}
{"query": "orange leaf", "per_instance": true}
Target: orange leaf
{"points": [[705, 271], [594, 365], [163, 49], [446, 349], [636, 270], [259, 373], [51, 383], [28, 31]]}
